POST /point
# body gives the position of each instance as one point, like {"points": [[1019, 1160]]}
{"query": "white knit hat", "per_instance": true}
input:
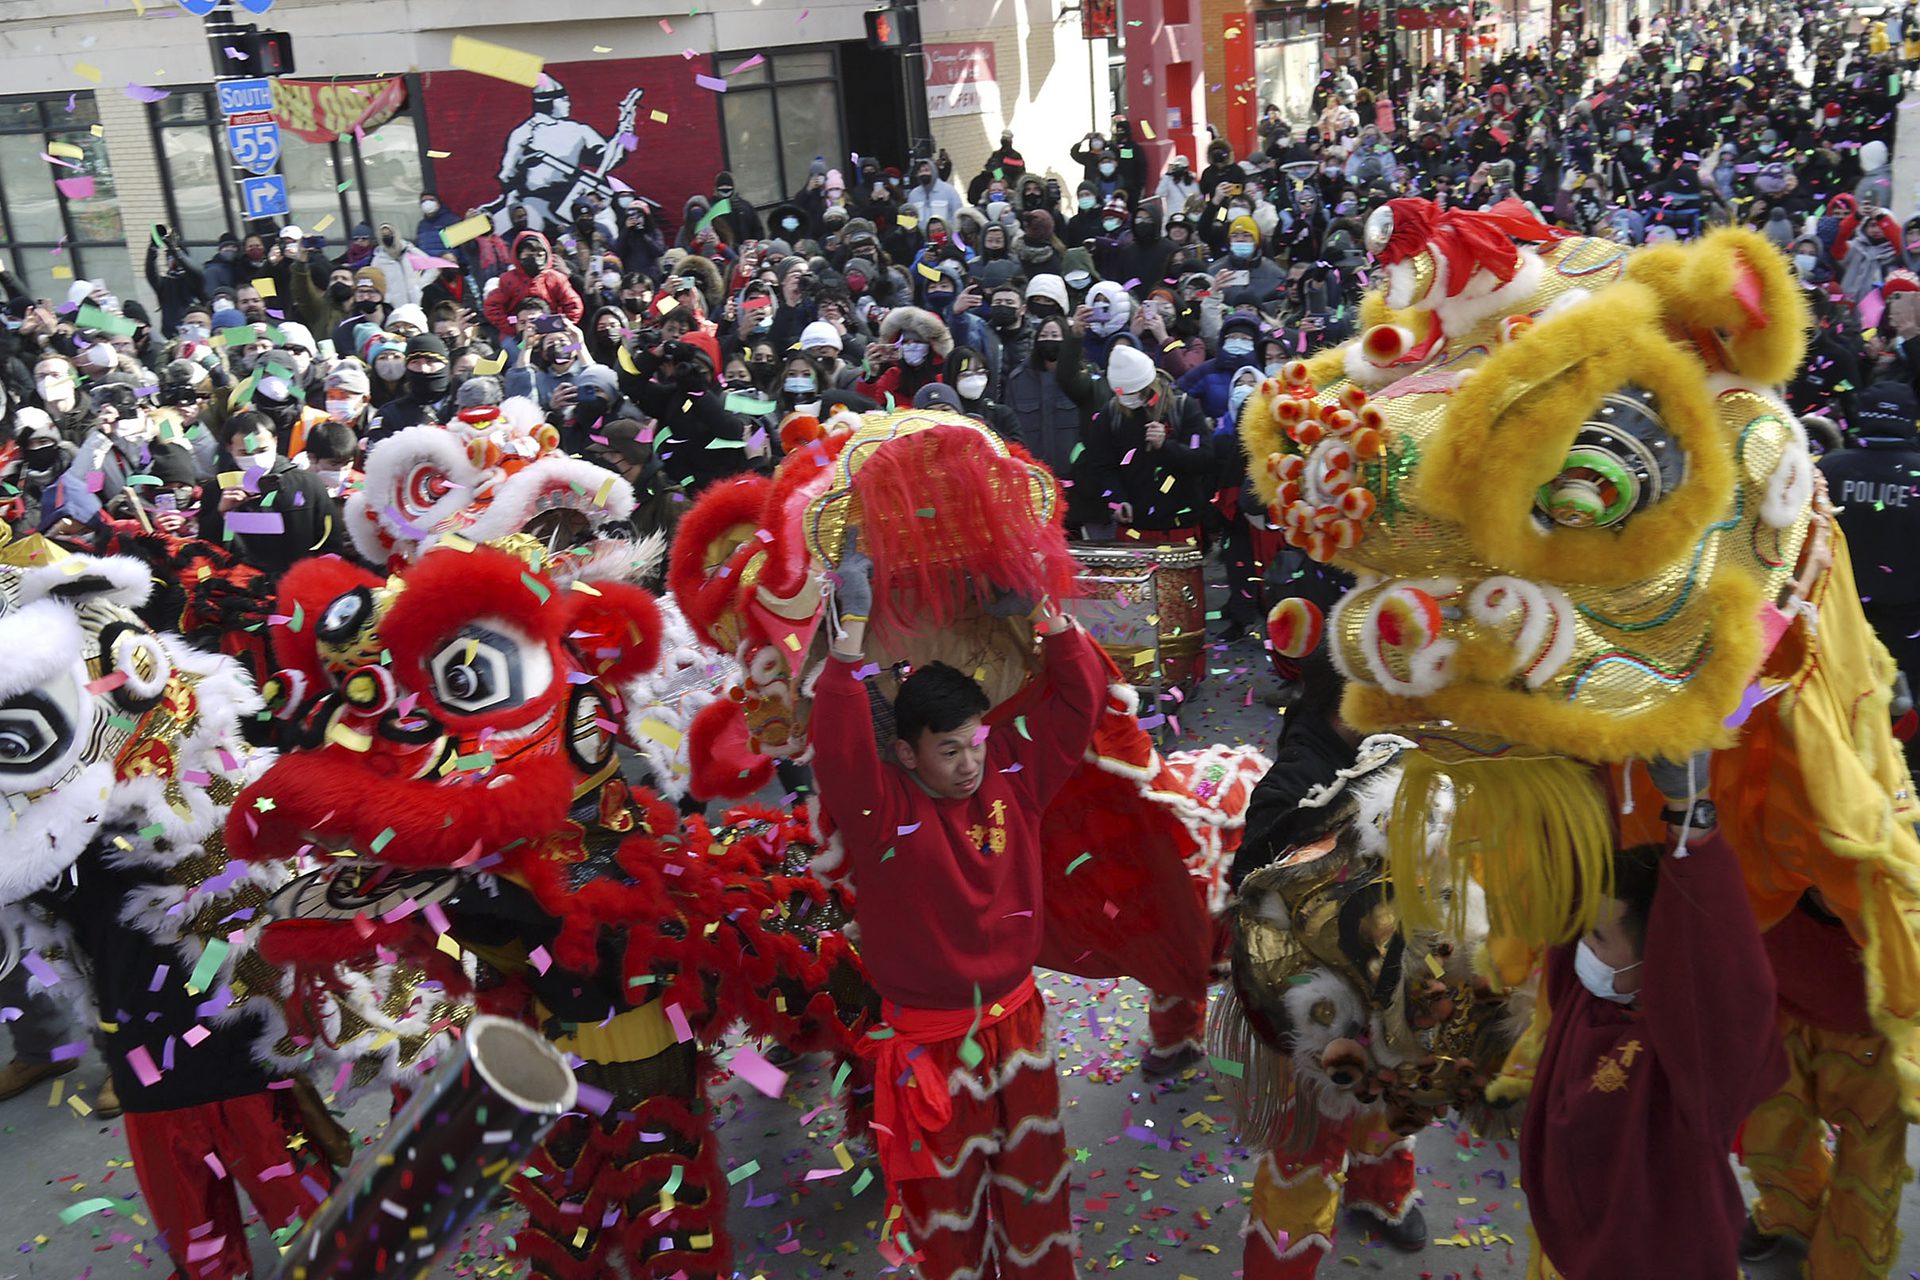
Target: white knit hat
{"points": [[819, 334], [1130, 369]]}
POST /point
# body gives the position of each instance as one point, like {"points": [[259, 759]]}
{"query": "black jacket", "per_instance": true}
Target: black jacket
{"points": [[310, 523], [692, 419], [1877, 488], [1167, 487]]}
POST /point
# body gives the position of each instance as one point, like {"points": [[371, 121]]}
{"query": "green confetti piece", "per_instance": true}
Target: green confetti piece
{"points": [[239, 335], [1228, 1067], [1076, 862], [925, 513], [478, 760], [125, 723], [719, 209], [380, 841], [152, 832], [888, 854], [74, 1212], [143, 478], [840, 1078], [92, 317], [863, 1181], [299, 616], [210, 961], [536, 586], [970, 1053], [737, 1176], [752, 406], [1020, 723], [673, 1180]]}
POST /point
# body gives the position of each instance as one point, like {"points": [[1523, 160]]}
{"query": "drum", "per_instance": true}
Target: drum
{"points": [[1146, 605]]}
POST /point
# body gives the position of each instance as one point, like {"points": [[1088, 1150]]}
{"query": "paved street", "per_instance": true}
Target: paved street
{"points": [[1173, 1204]]}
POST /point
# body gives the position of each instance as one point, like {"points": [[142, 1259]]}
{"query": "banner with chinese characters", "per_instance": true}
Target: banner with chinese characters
{"points": [[323, 110]]}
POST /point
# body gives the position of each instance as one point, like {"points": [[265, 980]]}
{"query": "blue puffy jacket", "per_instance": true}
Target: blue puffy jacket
{"points": [[1212, 381]]}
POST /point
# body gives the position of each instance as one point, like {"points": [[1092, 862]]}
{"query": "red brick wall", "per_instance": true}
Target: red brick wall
{"points": [[471, 115]]}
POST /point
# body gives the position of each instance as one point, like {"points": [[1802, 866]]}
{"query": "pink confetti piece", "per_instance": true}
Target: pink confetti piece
{"points": [[540, 960], [754, 61], [80, 188], [666, 26], [709, 82], [758, 1072], [141, 1062], [209, 1247], [194, 1035], [678, 1017]]}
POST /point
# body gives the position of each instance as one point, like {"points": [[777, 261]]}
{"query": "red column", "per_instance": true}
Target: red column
{"points": [[1165, 77], [1242, 110]]}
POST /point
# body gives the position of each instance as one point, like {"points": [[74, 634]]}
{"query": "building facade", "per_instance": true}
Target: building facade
{"points": [[110, 126]]}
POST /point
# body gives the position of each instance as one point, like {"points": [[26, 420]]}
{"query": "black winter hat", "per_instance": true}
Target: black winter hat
{"points": [[1885, 411], [428, 344]]}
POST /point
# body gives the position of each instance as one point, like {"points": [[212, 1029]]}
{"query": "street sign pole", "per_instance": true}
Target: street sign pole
{"points": [[245, 100]]}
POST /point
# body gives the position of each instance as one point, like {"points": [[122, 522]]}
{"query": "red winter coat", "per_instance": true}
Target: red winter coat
{"points": [[516, 286]]}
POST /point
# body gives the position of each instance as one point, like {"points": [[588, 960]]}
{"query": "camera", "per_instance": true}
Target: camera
{"points": [[547, 324]]}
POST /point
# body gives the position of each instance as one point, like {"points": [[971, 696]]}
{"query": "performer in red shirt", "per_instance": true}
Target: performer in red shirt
{"points": [[1661, 1041], [943, 846]]}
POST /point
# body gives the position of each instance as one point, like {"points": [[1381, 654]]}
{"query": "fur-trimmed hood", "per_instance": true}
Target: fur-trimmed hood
{"points": [[922, 324], [703, 270]]}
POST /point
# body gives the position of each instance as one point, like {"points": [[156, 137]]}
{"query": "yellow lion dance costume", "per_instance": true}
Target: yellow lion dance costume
{"points": [[1586, 529]]}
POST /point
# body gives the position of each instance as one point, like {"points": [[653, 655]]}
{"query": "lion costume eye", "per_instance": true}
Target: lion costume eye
{"points": [[1623, 460], [1379, 229], [489, 666], [36, 728]]}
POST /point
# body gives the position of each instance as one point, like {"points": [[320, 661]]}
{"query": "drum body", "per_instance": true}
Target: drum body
{"points": [[1146, 605]]}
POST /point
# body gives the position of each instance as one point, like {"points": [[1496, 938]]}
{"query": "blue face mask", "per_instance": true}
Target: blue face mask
{"points": [[1236, 398], [1237, 346], [1243, 249]]}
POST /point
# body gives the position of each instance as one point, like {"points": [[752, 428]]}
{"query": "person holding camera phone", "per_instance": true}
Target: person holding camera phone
{"points": [[550, 363], [532, 275], [290, 514], [175, 277], [676, 380]]}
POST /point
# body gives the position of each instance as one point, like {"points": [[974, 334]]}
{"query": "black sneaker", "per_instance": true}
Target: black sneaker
{"points": [[1755, 1244], [1409, 1235]]}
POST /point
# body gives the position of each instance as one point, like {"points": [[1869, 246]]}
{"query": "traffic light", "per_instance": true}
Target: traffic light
{"points": [[883, 29], [250, 52]]}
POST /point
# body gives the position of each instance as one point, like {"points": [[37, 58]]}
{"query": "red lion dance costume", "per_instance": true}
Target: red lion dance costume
{"points": [[1135, 846], [457, 725]]}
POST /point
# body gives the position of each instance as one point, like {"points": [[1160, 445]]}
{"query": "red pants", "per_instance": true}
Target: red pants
{"points": [[999, 1209], [1295, 1209], [196, 1206]]}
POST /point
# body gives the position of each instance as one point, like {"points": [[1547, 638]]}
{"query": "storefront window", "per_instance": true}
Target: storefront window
{"points": [[59, 217], [778, 115], [332, 185]]}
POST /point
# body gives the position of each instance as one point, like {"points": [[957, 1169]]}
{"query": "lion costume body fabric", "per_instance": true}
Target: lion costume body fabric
{"points": [[960, 526], [1584, 530]]}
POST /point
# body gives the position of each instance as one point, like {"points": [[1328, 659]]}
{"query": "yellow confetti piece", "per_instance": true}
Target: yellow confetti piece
{"points": [[664, 734], [1147, 130], [603, 48], [486, 368], [658, 117], [61, 271], [97, 131], [844, 1156], [456, 542], [907, 218], [446, 943], [65, 150], [322, 225], [79, 1104], [59, 1088], [926, 271], [461, 232], [266, 286], [87, 71], [497, 60], [440, 155]]}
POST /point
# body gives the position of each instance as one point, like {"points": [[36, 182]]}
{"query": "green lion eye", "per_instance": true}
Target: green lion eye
{"points": [[1621, 461]]}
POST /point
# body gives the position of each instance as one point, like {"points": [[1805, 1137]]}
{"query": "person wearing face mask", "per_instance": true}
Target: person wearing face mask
{"points": [[43, 457], [322, 292], [549, 365], [345, 395], [385, 356], [741, 222], [1212, 381], [1243, 273], [169, 494], [1107, 313], [911, 352], [970, 378], [1088, 214], [225, 269], [257, 482], [114, 448], [993, 264], [532, 275], [1144, 255], [1149, 456], [826, 343], [367, 305], [333, 456], [391, 254], [806, 387], [57, 386], [435, 218], [930, 196], [1009, 337], [1663, 1040]]}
